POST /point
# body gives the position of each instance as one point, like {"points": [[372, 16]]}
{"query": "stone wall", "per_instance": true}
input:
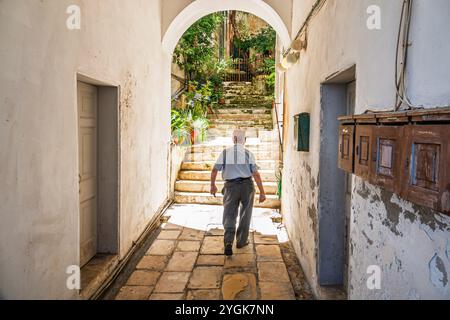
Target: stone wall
{"points": [[409, 243], [119, 43]]}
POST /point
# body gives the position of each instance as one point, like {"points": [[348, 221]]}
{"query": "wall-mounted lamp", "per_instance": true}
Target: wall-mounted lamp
{"points": [[299, 44], [281, 67], [288, 61], [292, 55]]}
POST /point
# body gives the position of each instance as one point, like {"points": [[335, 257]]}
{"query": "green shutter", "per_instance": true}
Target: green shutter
{"points": [[303, 124]]}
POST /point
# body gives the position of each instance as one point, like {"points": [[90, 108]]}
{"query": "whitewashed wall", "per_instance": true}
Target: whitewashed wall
{"points": [[411, 244], [119, 42]]}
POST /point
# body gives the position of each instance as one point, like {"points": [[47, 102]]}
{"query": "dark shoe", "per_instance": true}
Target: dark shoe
{"points": [[240, 246], [229, 249]]}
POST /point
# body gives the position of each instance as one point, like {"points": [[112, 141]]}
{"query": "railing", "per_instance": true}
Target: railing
{"points": [[239, 71], [243, 69]]}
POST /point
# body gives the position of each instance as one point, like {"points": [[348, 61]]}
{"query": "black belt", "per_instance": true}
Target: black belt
{"points": [[238, 180]]}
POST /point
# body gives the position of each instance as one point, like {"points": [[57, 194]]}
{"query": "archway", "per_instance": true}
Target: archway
{"points": [[201, 8]]}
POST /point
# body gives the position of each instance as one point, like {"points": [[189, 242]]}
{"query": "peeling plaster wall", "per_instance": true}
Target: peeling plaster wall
{"points": [[409, 243], [119, 43]]}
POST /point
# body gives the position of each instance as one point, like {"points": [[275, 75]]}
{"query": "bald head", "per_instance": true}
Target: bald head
{"points": [[238, 136]]}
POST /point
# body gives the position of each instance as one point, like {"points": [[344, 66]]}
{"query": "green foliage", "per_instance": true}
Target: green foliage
{"points": [[179, 126], [189, 121], [267, 66], [197, 49], [263, 42], [197, 54], [270, 83]]}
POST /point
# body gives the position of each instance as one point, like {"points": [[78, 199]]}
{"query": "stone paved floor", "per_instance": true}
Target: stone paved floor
{"points": [[186, 261]]}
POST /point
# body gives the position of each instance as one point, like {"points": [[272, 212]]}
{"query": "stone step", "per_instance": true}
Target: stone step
{"points": [[241, 123], [266, 175], [224, 112], [272, 201], [245, 102], [228, 84], [233, 127], [217, 148], [263, 134], [207, 166], [204, 186], [244, 92], [267, 105], [258, 118], [245, 119], [247, 92], [260, 155]]}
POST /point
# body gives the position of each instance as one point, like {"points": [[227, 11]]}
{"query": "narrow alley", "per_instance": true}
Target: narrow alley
{"points": [[247, 108], [186, 261], [114, 118]]}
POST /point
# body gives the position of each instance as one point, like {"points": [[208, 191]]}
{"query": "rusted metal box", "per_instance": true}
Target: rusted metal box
{"points": [[427, 178], [388, 157], [363, 150], [405, 152], [346, 143]]}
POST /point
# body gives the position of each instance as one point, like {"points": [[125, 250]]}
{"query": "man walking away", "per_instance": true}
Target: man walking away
{"points": [[238, 167]]}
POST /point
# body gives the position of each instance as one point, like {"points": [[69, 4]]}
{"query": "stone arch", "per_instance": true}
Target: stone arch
{"points": [[201, 8]]}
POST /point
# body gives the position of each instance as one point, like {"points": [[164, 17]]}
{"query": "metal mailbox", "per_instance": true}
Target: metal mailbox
{"points": [[363, 150], [427, 179], [346, 142], [405, 152], [388, 157]]}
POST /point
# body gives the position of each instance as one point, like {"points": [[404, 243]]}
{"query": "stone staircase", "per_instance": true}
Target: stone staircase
{"points": [[244, 108]]}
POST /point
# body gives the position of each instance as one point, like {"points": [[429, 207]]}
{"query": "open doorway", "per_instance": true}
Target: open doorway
{"points": [[98, 155], [229, 84], [338, 95]]}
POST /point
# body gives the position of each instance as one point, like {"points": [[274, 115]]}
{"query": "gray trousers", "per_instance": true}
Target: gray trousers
{"points": [[237, 198]]}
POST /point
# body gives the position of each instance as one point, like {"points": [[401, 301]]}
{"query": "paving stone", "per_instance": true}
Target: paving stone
{"points": [[265, 239], [244, 260], [212, 294], [270, 252], [272, 271], [205, 278], [161, 247], [134, 293], [212, 245], [215, 232], [171, 226], [172, 282], [155, 263], [211, 260], [276, 291], [182, 261], [191, 234], [247, 249], [239, 286], [143, 278], [188, 246], [169, 234], [167, 296]]}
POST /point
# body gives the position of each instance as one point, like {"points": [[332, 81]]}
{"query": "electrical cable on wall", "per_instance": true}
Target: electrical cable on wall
{"points": [[314, 10], [402, 53]]}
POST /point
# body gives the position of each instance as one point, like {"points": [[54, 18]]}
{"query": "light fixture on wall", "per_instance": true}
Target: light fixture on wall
{"points": [[281, 67], [293, 54], [290, 59], [299, 43]]}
